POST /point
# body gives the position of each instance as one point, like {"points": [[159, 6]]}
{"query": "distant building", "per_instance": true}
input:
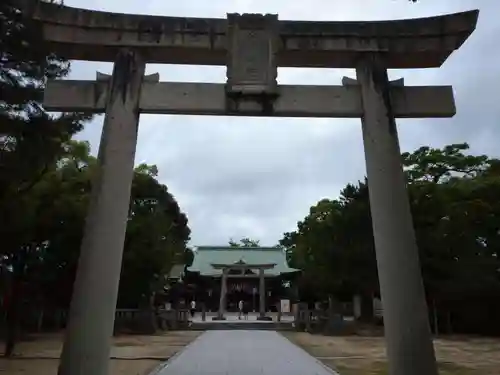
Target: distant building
{"points": [[244, 270]]}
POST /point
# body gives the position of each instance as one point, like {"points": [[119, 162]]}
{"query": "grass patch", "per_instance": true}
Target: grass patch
{"points": [[380, 368], [357, 355]]}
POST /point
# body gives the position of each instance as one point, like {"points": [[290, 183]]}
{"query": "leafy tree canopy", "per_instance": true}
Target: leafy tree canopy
{"points": [[456, 214], [244, 242]]}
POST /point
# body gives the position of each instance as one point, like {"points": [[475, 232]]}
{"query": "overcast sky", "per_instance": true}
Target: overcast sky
{"points": [[255, 177]]}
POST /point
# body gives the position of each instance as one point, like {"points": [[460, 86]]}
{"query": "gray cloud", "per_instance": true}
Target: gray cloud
{"points": [[257, 177]]}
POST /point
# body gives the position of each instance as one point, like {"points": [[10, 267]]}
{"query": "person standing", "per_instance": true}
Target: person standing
{"points": [[240, 309], [193, 308], [246, 309]]}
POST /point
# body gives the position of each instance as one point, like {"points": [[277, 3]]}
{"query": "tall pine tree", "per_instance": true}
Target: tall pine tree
{"points": [[31, 141]]}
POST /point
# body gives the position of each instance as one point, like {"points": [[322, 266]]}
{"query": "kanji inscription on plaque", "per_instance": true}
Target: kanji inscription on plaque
{"points": [[251, 67]]}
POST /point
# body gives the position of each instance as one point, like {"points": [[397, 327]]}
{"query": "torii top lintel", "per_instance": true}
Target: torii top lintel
{"points": [[81, 34]]}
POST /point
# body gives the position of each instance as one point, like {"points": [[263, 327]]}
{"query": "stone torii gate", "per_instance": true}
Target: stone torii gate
{"points": [[252, 46], [225, 268]]}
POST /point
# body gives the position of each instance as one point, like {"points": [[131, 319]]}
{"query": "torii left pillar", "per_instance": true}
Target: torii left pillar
{"points": [[222, 298], [88, 336], [262, 296]]}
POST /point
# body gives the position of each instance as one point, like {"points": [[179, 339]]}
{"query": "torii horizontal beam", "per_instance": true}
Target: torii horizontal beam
{"points": [[81, 34], [211, 99]]}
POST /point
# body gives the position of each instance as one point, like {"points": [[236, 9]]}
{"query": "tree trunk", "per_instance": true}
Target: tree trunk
{"points": [[152, 312], [333, 313], [330, 305], [151, 301], [450, 325], [12, 318], [435, 317], [367, 313], [40, 320]]}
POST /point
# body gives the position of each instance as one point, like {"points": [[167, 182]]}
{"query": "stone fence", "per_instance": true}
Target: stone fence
{"points": [[138, 321], [320, 321]]}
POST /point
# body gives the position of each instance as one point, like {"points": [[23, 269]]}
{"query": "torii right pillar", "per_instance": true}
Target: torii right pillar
{"points": [[408, 337]]}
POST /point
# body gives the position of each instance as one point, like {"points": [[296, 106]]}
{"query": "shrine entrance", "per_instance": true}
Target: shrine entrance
{"points": [[251, 46], [227, 275], [243, 271], [242, 289]]}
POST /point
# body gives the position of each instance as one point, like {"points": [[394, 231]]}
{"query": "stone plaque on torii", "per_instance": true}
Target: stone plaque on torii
{"points": [[252, 47]]}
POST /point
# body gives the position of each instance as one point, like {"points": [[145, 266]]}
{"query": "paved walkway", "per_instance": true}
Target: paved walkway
{"points": [[243, 353]]}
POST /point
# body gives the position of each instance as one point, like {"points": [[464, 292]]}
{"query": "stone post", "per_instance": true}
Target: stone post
{"points": [[408, 338], [356, 306], [88, 335], [262, 296], [222, 300]]}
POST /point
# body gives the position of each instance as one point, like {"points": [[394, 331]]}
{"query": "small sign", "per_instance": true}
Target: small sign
{"points": [[285, 305]]}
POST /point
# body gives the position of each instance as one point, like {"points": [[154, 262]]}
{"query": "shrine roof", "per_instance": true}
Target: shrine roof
{"points": [[206, 256]]}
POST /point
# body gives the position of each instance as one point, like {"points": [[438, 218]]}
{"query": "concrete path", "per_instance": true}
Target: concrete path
{"points": [[243, 353]]}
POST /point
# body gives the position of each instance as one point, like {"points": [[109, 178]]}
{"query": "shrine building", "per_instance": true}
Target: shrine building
{"points": [[224, 275]]}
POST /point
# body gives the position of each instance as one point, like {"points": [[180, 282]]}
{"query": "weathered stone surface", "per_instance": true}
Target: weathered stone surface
{"points": [[91, 35], [243, 353], [406, 325], [155, 77], [92, 313], [293, 101], [347, 81], [252, 46]]}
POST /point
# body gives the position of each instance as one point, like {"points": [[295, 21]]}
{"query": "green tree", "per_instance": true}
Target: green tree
{"points": [[313, 252], [456, 216], [441, 165], [454, 211], [31, 141], [43, 263], [333, 247], [157, 234], [244, 242]]}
